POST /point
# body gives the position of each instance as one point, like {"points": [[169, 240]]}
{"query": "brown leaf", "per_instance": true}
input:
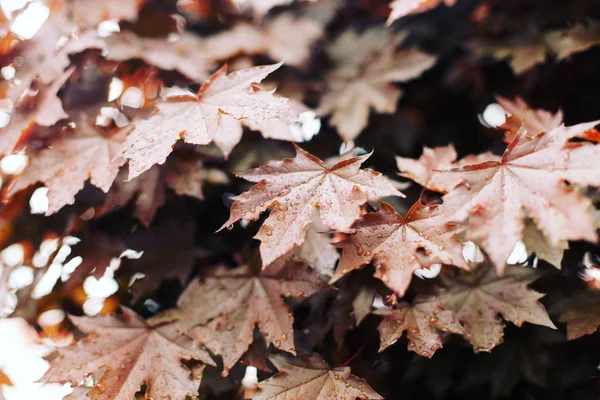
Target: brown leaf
{"points": [[295, 187], [186, 176], [581, 314], [313, 380], [222, 311], [426, 171], [534, 121], [284, 38], [38, 104], [535, 242], [356, 88], [131, 353], [148, 190], [186, 54], [495, 197], [478, 304], [422, 322], [526, 51], [203, 118], [317, 249], [400, 245], [78, 154]]}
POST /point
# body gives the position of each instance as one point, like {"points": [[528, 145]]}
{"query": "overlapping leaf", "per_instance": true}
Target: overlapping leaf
{"points": [[355, 89], [222, 311], [470, 306], [495, 197], [295, 187], [130, 352], [78, 154], [203, 118], [313, 379], [400, 245]]}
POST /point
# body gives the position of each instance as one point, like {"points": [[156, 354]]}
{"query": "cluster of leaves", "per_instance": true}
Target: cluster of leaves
{"points": [[126, 113]]}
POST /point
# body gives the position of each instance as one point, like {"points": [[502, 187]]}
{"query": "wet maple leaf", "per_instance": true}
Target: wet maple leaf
{"points": [[93, 12], [470, 306], [131, 353], [495, 197], [222, 311], [313, 379], [422, 321], [354, 90], [534, 121], [199, 119], [76, 155], [295, 187], [402, 8], [38, 104], [400, 245], [427, 170]]}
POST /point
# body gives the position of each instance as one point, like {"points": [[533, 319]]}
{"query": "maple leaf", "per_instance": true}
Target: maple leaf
{"points": [[185, 54], [336, 312], [41, 55], [72, 157], [400, 245], [200, 119], [299, 130], [535, 242], [148, 190], [295, 187], [495, 197], [524, 51], [477, 305], [581, 313], [317, 249], [574, 40], [402, 8], [422, 320], [93, 12], [427, 170], [39, 105], [313, 379], [185, 175], [471, 305], [131, 353], [534, 121], [354, 91], [222, 311], [284, 38]]}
